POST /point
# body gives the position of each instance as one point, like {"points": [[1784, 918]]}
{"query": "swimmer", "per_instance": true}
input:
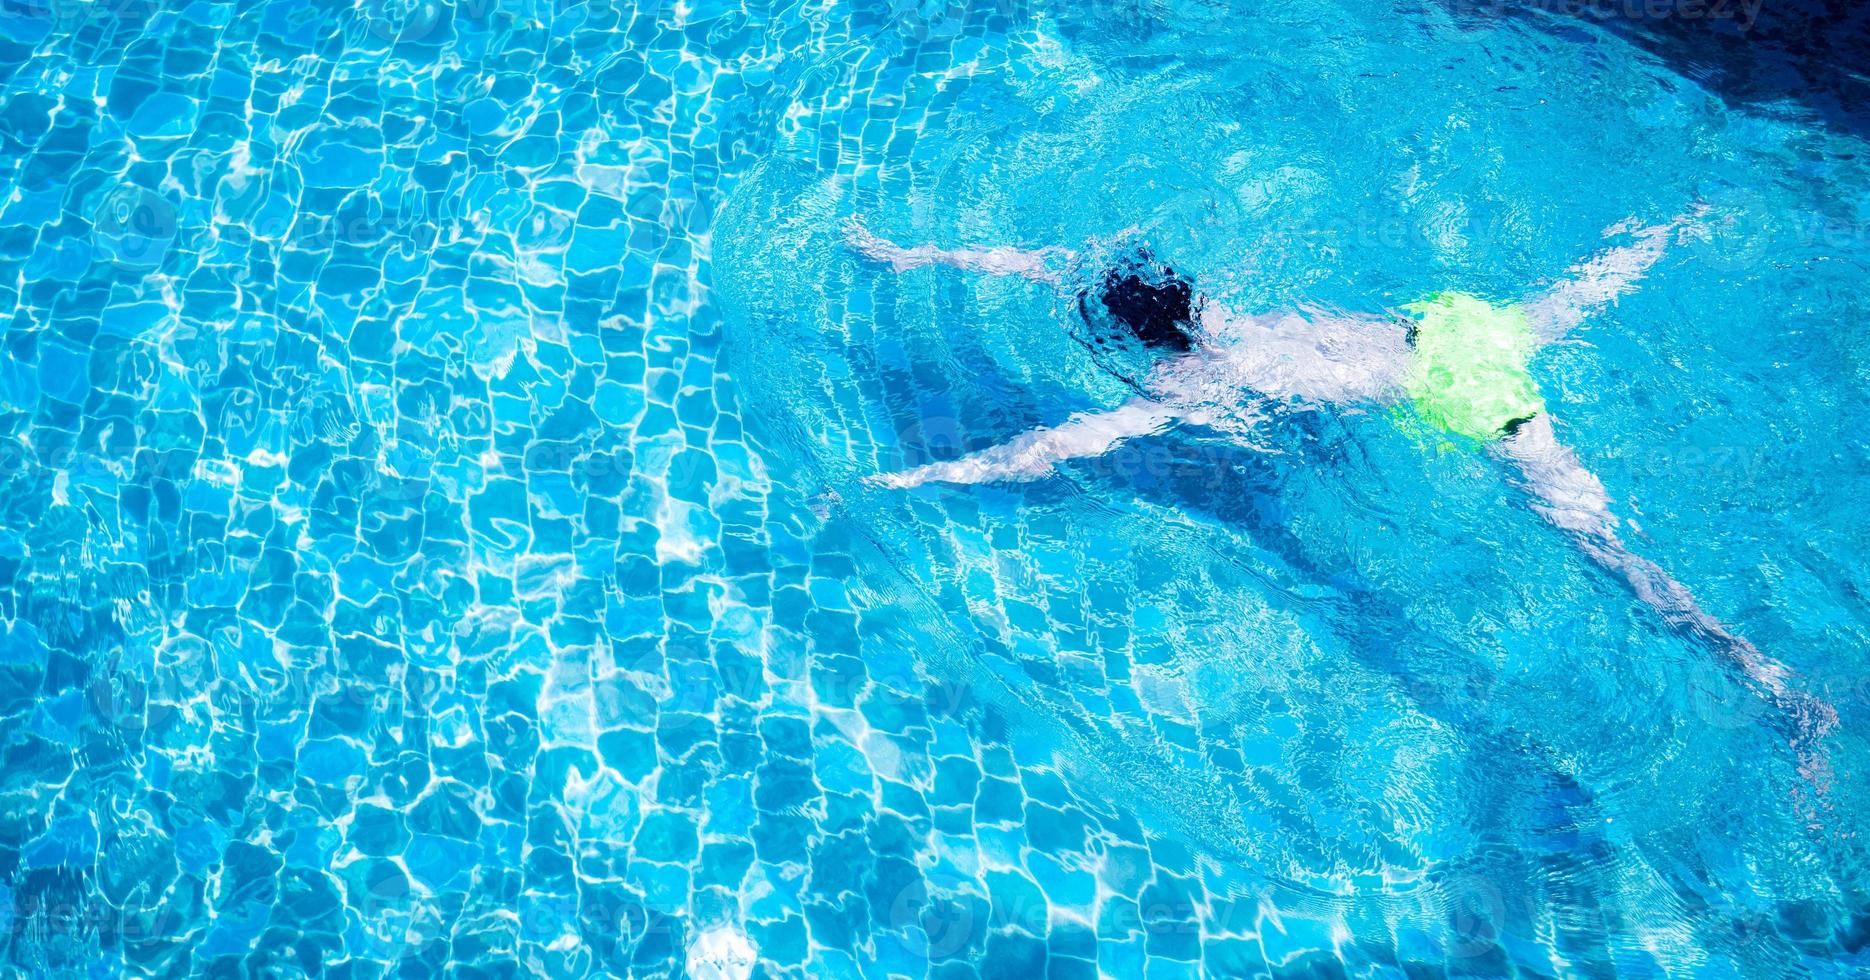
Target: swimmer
{"points": [[1458, 363]]}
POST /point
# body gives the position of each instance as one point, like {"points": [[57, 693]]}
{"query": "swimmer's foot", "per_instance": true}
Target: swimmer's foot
{"points": [[1809, 718]]}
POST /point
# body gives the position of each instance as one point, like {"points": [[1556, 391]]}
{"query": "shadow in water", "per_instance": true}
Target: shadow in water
{"points": [[1757, 54]]}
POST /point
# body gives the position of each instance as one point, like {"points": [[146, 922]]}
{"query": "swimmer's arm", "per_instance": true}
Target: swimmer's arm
{"points": [[1035, 265], [1033, 455], [1572, 499], [1605, 277]]}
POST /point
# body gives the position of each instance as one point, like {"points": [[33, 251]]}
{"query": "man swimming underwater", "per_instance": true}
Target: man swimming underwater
{"points": [[1458, 362]]}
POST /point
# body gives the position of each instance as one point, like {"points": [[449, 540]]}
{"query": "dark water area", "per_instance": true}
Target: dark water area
{"points": [[1798, 56]]}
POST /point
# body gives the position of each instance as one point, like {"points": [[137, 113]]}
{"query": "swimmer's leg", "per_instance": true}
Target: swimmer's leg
{"points": [[1032, 456], [1573, 500], [1605, 277], [1037, 265]]}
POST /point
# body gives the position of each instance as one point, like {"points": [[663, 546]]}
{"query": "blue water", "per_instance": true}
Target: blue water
{"points": [[432, 539]]}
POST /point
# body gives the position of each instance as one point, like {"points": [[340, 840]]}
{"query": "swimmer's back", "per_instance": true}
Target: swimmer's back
{"points": [[1322, 359]]}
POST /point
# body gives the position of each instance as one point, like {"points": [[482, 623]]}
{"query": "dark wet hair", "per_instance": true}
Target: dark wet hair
{"points": [[1151, 301]]}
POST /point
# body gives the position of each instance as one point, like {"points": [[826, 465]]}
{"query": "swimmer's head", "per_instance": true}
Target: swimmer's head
{"points": [[1159, 313], [1147, 300]]}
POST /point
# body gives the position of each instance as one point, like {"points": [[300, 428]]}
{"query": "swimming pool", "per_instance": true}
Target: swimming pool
{"points": [[435, 538]]}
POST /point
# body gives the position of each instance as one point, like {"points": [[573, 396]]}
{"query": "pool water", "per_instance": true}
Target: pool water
{"points": [[433, 539]]}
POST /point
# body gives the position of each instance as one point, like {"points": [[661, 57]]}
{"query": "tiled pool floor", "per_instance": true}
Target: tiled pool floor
{"points": [[392, 586]]}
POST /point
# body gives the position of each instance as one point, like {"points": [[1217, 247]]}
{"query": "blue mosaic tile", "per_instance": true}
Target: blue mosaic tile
{"points": [[433, 540]]}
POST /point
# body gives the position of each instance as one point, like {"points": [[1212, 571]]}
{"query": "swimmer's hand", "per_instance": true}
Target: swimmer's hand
{"points": [[1691, 225], [1688, 226], [862, 241], [1036, 264], [1033, 455], [965, 470]]}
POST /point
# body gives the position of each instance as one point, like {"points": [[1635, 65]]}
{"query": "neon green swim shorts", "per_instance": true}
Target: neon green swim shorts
{"points": [[1469, 375]]}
